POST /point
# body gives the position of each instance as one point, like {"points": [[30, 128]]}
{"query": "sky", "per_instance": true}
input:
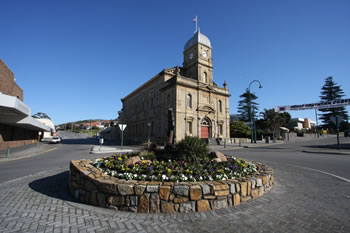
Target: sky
{"points": [[75, 60]]}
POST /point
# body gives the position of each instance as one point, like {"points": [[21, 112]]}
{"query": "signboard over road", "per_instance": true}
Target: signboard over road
{"points": [[319, 105]]}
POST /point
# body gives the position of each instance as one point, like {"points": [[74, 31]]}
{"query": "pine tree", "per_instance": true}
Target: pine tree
{"points": [[243, 106], [331, 91]]}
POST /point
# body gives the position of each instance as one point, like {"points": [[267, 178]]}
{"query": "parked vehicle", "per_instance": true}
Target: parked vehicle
{"points": [[347, 133], [55, 140]]}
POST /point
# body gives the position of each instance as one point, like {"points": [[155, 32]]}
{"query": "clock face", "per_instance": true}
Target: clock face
{"points": [[204, 53], [190, 56]]}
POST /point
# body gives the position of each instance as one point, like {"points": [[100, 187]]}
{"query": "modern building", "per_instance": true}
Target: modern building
{"points": [[179, 101], [302, 123], [48, 134], [17, 127]]}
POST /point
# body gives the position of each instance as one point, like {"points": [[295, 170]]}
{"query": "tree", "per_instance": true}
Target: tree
{"points": [[275, 120], [243, 106], [331, 91], [238, 129], [41, 115]]}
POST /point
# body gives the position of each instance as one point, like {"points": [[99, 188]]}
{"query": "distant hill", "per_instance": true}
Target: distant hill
{"points": [[82, 122]]}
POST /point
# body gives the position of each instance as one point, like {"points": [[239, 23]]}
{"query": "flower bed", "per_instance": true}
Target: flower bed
{"points": [[155, 193], [171, 170]]}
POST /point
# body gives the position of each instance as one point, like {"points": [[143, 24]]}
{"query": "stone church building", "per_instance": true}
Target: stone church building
{"points": [[179, 101]]}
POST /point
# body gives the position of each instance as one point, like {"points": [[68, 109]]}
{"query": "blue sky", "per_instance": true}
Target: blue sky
{"points": [[76, 59]]}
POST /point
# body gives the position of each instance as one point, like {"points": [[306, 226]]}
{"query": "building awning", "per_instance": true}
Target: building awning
{"points": [[33, 124], [12, 109], [14, 112]]}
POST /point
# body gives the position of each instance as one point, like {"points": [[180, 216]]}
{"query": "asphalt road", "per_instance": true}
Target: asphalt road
{"points": [[74, 146], [293, 154], [77, 146]]}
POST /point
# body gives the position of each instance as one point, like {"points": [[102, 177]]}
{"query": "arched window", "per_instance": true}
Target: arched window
{"points": [[220, 105], [205, 77], [189, 101], [168, 100]]}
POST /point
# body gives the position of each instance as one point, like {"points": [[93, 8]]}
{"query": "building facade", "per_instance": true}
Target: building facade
{"points": [[179, 101], [17, 126], [8, 86]]}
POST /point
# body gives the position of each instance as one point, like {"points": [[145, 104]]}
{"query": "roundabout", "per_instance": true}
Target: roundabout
{"points": [[95, 186]]}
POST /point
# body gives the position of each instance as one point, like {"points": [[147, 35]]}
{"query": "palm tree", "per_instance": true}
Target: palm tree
{"points": [[275, 120]]}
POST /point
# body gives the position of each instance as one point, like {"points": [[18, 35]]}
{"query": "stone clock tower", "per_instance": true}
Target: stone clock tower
{"points": [[198, 62], [180, 101]]}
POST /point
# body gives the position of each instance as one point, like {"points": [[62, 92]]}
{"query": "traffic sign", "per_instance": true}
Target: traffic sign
{"points": [[122, 126]]}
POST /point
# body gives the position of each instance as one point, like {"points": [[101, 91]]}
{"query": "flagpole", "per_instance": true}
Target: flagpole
{"points": [[196, 20]]}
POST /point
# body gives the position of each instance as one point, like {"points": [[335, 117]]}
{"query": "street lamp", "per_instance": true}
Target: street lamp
{"points": [[250, 110], [121, 126]]}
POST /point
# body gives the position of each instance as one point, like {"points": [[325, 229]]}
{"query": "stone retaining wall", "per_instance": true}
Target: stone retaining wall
{"points": [[89, 185]]}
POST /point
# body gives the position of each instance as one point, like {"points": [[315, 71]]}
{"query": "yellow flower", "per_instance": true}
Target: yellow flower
{"points": [[143, 161], [119, 158], [169, 170]]}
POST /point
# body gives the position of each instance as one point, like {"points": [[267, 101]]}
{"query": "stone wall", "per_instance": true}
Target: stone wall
{"points": [[89, 185]]}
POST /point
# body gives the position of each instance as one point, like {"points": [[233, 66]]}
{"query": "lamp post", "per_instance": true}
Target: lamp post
{"points": [[252, 131], [121, 129]]}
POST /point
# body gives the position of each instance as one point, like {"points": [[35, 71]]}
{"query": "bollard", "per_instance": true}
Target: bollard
{"points": [[8, 152]]}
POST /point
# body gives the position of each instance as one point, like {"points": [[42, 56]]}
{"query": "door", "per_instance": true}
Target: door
{"points": [[204, 132]]}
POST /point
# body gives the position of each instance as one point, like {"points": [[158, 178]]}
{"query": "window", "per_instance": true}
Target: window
{"points": [[220, 129], [189, 101], [189, 127], [205, 77], [220, 105]]}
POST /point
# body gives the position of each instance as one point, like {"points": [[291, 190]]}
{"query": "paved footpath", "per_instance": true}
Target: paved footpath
{"points": [[297, 203]]}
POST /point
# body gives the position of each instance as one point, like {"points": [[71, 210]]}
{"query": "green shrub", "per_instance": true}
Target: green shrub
{"points": [[191, 149], [238, 129], [300, 133], [148, 155]]}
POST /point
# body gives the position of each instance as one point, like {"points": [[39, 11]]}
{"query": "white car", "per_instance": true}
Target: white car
{"points": [[56, 139]]}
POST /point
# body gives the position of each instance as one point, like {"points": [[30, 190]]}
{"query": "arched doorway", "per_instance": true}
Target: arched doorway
{"points": [[206, 128]]}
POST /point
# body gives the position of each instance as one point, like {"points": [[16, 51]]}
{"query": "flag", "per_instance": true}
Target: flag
{"points": [[195, 19]]}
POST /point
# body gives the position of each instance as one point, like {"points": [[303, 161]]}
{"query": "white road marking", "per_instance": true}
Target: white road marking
{"points": [[327, 173]]}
